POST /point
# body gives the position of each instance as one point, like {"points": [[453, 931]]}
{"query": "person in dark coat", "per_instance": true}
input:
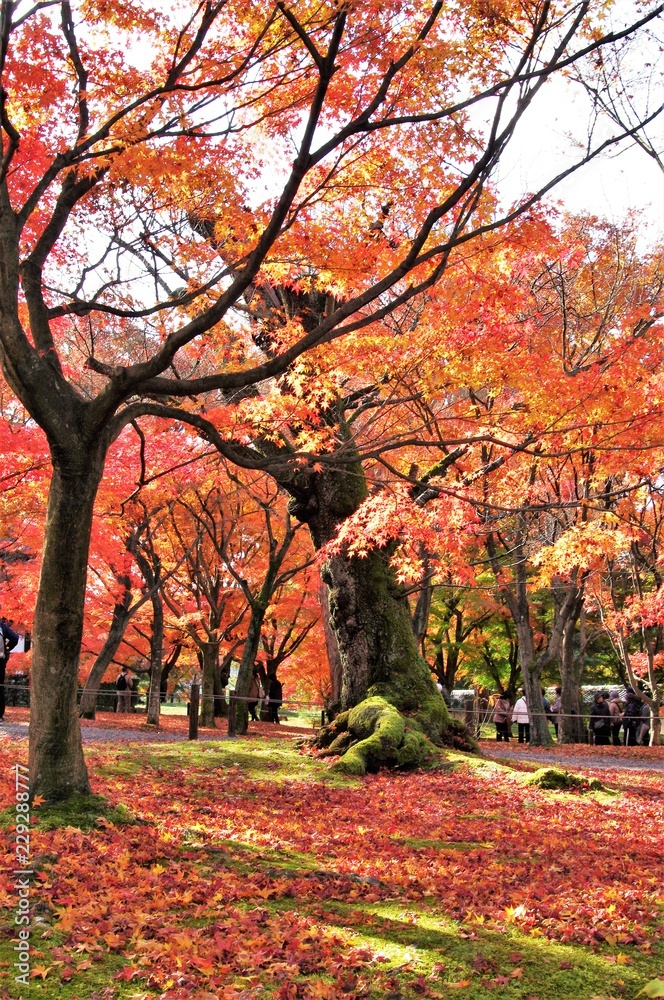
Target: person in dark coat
{"points": [[275, 697], [600, 720], [631, 717], [8, 639], [254, 693]]}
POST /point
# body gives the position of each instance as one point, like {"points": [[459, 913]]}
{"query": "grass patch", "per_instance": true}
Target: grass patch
{"points": [[82, 812], [274, 761], [444, 845]]}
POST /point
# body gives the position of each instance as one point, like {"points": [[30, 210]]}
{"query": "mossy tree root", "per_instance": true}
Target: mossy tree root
{"points": [[375, 734]]}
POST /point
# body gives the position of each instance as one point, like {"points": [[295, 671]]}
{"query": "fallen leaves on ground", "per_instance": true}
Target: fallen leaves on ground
{"points": [[227, 881]]}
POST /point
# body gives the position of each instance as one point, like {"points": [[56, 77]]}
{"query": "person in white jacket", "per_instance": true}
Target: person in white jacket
{"points": [[522, 719]]}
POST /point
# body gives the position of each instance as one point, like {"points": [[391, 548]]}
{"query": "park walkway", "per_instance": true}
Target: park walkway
{"points": [[580, 756], [173, 730]]}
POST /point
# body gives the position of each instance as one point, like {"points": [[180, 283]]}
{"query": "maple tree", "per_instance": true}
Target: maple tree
{"points": [[543, 469], [205, 600], [371, 99], [626, 598]]}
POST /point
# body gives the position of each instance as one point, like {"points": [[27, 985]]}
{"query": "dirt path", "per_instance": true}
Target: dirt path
{"points": [[17, 731], [590, 760]]}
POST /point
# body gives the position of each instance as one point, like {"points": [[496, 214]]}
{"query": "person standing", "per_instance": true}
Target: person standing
{"points": [[502, 716], [631, 716], [8, 639], [123, 688], [643, 732], [556, 709], [275, 697], [522, 719], [600, 720], [615, 708]]}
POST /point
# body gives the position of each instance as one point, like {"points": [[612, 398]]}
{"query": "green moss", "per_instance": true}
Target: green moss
{"points": [[82, 812], [556, 779], [385, 739], [416, 750], [412, 691], [375, 716]]}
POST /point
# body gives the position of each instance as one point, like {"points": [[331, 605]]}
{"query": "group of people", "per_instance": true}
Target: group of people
{"points": [[609, 716], [504, 715]]}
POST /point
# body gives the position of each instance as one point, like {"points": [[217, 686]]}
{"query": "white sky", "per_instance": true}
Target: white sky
{"points": [[622, 180]]}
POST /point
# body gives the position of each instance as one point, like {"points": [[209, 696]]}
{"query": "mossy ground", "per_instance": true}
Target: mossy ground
{"points": [[418, 949]]}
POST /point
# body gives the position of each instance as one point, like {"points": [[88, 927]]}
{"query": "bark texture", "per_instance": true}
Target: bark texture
{"points": [[57, 767], [372, 624]]}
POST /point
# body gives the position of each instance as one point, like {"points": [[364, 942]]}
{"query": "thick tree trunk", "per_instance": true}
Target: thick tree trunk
{"points": [[369, 612], [57, 767], [532, 685]]}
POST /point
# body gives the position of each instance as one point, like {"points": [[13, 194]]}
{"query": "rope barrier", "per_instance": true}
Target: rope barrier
{"points": [[486, 715], [217, 697]]}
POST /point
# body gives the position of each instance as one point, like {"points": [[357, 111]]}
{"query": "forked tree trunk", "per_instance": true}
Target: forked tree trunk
{"points": [[57, 767]]}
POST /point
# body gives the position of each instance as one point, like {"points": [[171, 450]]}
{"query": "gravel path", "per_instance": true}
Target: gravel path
{"points": [[93, 734], [592, 762]]}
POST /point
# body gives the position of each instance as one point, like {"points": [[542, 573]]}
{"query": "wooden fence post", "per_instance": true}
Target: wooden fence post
{"points": [[193, 713], [232, 709]]}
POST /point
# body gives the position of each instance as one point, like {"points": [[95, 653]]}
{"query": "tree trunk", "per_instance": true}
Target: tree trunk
{"points": [[369, 612], [245, 672], [209, 657], [167, 666], [156, 657], [116, 632], [423, 607], [531, 669], [571, 728], [332, 647], [57, 767]]}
